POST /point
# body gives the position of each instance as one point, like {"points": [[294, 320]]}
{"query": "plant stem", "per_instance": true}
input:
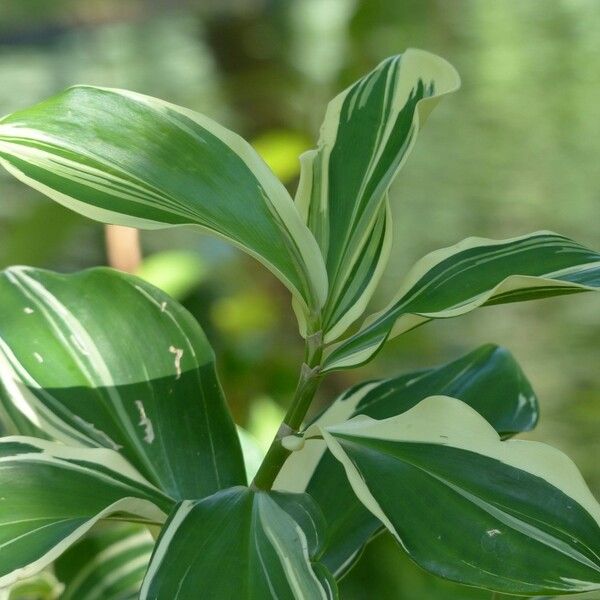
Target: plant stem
{"points": [[308, 383]]}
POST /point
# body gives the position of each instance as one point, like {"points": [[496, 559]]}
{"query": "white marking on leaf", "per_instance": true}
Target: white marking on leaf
{"points": [[145, 422], [28, 310], [493, 532], [79, 345], [38, 357], [97, 432], [178, 352], [10, 382]]}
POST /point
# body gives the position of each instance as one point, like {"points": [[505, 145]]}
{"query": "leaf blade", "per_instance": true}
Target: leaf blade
{"points": [[488, 379], [146, 386], [125, 158], [523, 502], [367, 134], [52, 495], [108, 564], [252, 548], [476, 272]]}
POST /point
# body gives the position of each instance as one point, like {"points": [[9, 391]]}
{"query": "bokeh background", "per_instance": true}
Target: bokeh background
{"points": [[517, 149]]}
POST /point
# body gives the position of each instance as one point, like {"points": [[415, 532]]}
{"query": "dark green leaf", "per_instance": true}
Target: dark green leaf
{"points": [[476, 272], [124, 158], [108, 360], [513, 516], [368, 132], [488, 379], [51, 495], [238, 543]]}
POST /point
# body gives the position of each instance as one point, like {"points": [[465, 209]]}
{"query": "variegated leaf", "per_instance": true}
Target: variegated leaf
{"points": [[476, 272], [43, 586], [488, 379], [368, 132], [239, 543], [51, 495], [513, 516], [108, 360], [124, 158], [108, 564]]}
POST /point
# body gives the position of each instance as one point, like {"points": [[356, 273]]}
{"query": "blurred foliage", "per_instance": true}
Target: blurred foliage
{"points": [[515, 150], [177, 272], [280, 150]]}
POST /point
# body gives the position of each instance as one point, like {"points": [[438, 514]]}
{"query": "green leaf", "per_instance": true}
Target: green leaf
{"points": [[489, 379], [476, 272], [108, 360], [368, 132], [238, 543], [53, 494], [43, 586], [128, 159], [513, 516], [108, 564]]}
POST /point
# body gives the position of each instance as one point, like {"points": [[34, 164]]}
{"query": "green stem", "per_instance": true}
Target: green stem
{"points": [[308, 383]]}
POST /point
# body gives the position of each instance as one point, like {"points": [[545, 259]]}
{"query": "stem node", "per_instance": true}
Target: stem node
{"points": [[308, 382]]}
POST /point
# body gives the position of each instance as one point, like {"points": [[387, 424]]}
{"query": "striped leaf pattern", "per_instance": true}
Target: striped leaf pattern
{"points": [[488, 379], [109, 360], [53, 494], [513, 516], [108, 564], [43, 586], [124, 158], [368, 132], [476, 272], [239, 543]]}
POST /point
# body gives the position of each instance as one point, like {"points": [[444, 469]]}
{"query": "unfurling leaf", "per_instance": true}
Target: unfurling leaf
{"points": [[368, 132]]}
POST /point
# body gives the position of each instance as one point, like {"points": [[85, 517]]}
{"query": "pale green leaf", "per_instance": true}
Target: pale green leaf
{"points": [[176, 272], [108, 360], [513, 516], [43, 586]]}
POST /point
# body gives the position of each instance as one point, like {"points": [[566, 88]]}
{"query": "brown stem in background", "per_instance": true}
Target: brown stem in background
{"points": [[123, 248]]}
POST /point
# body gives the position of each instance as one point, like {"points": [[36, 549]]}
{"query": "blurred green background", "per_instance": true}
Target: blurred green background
{"points": [[517, 149]]}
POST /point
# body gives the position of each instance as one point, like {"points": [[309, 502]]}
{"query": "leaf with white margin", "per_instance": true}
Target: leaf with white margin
{"points": [[107, 564], [488, 379], [124, 158], [513, 516], [43, 586], [238, 543], [102, 358], [367, 134], [475, 272], [51, 495]]}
